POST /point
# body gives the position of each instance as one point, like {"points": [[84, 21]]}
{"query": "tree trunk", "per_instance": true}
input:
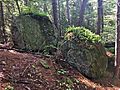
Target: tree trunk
{"points": [[117, 56], [55, 12], [100, 17], [2, 26], [82, 11], [59, 17], [16, 1], [68, 12], [45, 7], [1, 34]]}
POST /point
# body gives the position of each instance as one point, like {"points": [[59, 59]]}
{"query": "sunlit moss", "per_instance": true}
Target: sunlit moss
{"points": [[27, 10], [82, 33]]}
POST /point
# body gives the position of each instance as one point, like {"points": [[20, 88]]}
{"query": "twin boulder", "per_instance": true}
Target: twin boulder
{"points": [[82, 49]]}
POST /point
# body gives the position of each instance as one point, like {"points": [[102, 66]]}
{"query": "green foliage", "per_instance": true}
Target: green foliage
{"points": [[82, 34], [27, 10], [112, 50], [109, 7], [48, 49], [67, 83], [43, 8], [108, 34]]}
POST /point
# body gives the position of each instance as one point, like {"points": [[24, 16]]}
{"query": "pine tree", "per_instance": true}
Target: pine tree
{"points": [[117, 59], [2, 25], [82, 11], [68, 12], [55, 12], [100, 17]]}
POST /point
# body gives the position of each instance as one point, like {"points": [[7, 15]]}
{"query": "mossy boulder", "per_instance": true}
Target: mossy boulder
{"points": [[84, 51], [33, 32]]}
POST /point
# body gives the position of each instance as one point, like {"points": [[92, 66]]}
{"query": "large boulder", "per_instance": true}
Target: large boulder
{"points": [[83, 50], [33, 32]]}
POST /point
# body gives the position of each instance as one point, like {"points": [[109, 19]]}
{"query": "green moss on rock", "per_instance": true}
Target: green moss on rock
{"points": [[83, 34], [84, 51], [33, 32]]}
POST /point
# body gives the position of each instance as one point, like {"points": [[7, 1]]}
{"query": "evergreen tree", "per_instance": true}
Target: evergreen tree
{"points": [[55, 12], [117, 59], [100, 17], [82, 11]]}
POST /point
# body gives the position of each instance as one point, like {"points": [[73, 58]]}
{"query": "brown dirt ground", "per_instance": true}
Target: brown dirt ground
{"points": [[25, 71]]}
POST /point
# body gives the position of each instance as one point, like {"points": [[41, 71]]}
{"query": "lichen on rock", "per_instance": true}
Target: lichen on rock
{"points": [[84, 51], [33, 32]]}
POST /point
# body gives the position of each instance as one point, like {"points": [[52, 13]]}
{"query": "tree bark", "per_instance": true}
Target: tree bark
{"points": [[68, 12], [55, 12], [100, 17], [45, 7], [82, 11], [117, 56], [59, 17], [2, 25], [1, 34]]}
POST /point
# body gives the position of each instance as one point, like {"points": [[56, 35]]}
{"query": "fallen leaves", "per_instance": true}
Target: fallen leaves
{"points": [[24, 71]]}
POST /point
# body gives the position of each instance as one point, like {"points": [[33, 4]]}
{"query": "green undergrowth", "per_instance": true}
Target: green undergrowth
{"points": [[27, 10], [82, 34]]}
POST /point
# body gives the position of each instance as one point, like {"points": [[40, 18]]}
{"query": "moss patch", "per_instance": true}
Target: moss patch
{"points": [[34, 32], [84, 51]]}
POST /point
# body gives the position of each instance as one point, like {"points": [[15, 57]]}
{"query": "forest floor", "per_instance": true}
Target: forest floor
{"points": [[25, 71]]}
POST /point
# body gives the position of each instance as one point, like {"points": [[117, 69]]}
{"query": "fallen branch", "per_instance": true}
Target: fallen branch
{"points": [[25, 69]]}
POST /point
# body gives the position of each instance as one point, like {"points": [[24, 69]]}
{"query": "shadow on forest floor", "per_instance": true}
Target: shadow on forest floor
{"points": [[25, 71]]}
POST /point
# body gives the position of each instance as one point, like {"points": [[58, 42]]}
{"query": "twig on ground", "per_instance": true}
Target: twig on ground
{"points": [[25, 69]]}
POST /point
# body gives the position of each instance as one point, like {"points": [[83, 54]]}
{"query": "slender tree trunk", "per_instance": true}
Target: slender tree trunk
{"points": [[59, 10], [2, 25], [1, 31], [77, 12], [18, 6], [68, 12], [100, 17], [117, 56], [45, 7], [59, 17], [82, 11], [77, 7], [55, 12]]}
